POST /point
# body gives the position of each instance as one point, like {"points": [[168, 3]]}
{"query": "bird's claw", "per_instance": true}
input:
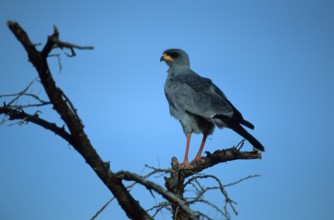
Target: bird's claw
{"points": [[187, 165]]}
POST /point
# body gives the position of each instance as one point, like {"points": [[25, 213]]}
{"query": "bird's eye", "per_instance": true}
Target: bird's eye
{"points": [[174, 54]]}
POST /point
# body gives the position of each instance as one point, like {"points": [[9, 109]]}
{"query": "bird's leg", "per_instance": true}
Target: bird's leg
{"points": [[198, 155], [185, 161]]}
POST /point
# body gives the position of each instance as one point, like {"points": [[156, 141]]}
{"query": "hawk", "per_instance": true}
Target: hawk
{"points": [[199, 104]]}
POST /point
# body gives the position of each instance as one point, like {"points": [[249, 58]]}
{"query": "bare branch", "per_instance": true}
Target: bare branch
{"points": [[243, 179], [159, 207], [67, 112], [18, 95], [219, 156], [159, 170], [15, 114], [202, 191], [129, 187], [102, 208], [157, 188], [24, 93], [59, 60], [225, 214], [54, 42]]}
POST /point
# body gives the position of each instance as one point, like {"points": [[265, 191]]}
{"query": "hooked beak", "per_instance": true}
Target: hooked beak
{"points": [[166, 57]]}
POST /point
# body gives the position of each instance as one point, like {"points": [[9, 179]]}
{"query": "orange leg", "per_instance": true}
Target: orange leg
{"points": [[198, 155], [185, 161]]}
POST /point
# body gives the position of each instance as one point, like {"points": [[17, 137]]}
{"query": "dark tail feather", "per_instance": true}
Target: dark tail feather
{"points": [[235, 126], [241, 131], [238, 117], [247, 124], [229, 120]]}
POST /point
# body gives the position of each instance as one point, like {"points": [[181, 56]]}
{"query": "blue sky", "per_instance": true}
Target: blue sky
{"points": [[273, 59]]}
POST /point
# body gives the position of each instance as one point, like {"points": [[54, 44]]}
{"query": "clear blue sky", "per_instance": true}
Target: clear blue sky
{"points": [[273, 59]]}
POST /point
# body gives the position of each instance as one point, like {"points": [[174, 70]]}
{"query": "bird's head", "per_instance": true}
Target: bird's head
{"points": [[175, 57]]}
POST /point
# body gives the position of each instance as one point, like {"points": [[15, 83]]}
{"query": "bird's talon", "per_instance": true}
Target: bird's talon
{"points": [[185, 165]]}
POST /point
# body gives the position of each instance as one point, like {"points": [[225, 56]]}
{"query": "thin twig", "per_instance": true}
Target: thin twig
{"points": [[129, 187], [18, 95], [59, 60], [102, 208], [157, 188], [243, 179], [228, 200], [215, 207], [157, 170], [240, 144], [54, 42], [159, 207]]}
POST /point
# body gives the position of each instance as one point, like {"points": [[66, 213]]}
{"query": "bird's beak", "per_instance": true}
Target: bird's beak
{"points": [[166, 57]]}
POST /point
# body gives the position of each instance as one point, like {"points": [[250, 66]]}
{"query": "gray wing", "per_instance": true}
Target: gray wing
{"points": [[197, 95]]}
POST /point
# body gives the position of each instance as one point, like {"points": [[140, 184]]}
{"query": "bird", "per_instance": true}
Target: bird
{"points": [[199, 104]]}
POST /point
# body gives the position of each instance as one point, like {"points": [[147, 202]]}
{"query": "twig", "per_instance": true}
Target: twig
{"points": [[18, 95], [228, 200], [102, 208], [59, 61], [159, 207], [157, 188], [70, 106], [15, 114], [243, 179], [159, 170], [240, 144], [213, 206], [54, 42], [129, 187]]}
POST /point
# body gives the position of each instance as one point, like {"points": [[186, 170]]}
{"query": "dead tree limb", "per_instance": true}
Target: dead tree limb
{"points": [[65, 109], [157, 188], [176, 182], [15, 114]]}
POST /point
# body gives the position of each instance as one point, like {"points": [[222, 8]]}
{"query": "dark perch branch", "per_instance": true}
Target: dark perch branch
{"points": [[68, 114], [176, 182], [220, 156]]}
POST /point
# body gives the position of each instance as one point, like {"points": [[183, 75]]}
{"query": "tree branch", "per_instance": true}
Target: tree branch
{"points": [[68, 114], [228, 200], [24, 93], [219, 156], [157, 188], [129, 188], [54, 42], [15, 114], [176, 182]]}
